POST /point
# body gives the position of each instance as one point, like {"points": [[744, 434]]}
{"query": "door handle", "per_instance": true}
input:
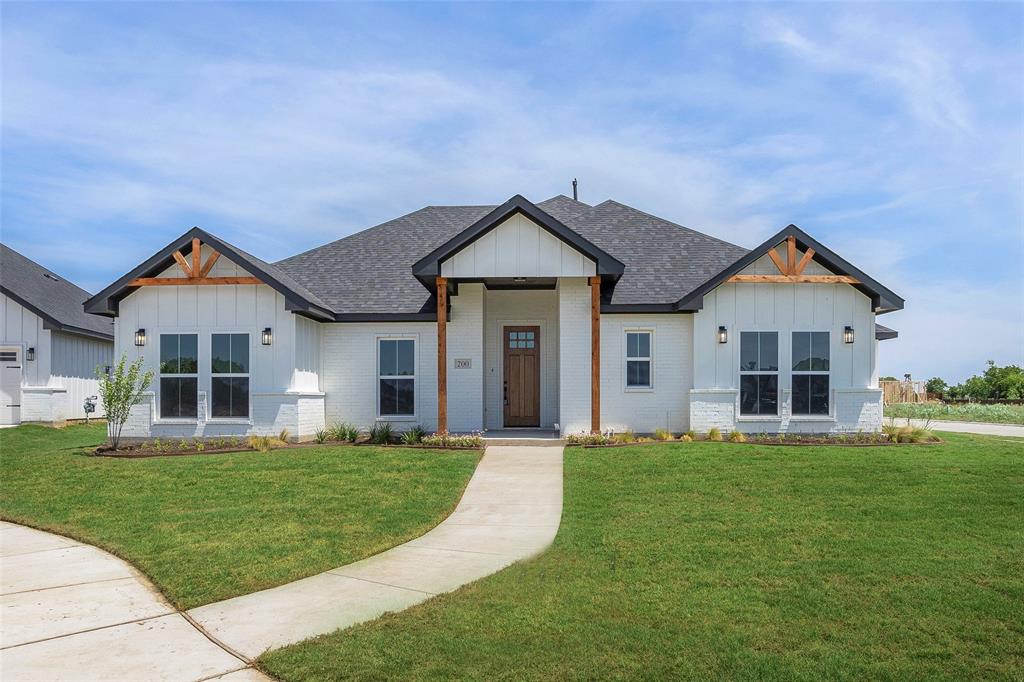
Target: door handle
{"points": [[506, 392]]}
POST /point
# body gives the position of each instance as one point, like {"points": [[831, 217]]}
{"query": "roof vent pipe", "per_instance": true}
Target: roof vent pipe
{"points": [[575, 194]]}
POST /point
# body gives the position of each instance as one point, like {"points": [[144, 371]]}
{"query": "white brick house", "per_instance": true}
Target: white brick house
{"points": [[692, 332], [49, 347]]}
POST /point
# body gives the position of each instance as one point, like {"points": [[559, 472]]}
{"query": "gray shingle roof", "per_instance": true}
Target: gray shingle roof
{"points": [[371, 272], [47, 294]]}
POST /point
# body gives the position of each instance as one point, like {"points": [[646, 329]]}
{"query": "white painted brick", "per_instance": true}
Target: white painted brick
{"points": [[574, 355]]}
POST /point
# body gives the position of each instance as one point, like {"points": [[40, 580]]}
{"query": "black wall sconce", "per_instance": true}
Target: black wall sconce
{"points": [[30, 354], [847, 334], [723, 334], [140, 337], [268, 336]]}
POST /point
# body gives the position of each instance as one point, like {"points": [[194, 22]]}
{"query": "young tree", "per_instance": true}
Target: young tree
{"points": [[937, 386], [121, 389]]}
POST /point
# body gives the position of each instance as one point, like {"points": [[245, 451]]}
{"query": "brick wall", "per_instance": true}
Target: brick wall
{"points": [[574, 355]]}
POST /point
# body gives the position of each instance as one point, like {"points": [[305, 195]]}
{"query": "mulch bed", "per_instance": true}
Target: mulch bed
{"points": [[142, 451], [752, 441]]}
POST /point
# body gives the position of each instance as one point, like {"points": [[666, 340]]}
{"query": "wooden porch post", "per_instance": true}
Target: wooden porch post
{"points": [[442, 355], [595, 355]]}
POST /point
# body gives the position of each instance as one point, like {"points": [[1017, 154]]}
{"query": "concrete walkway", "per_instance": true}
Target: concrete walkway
{"points": [[70, 611], [510, 511], [965, 427]]}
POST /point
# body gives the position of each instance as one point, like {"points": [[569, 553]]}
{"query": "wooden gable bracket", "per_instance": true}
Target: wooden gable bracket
{"points": [[792, 271], [195, 274]]}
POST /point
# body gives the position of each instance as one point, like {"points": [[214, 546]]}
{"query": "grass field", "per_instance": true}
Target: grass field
{"points": [[717, 561], [968, 412], [209, 527]]}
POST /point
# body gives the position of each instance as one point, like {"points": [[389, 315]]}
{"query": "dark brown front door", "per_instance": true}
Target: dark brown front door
{"points": [[522, 376]]}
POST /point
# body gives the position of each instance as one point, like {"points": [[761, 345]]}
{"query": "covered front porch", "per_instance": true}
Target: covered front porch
{"points": [[519, 355]]}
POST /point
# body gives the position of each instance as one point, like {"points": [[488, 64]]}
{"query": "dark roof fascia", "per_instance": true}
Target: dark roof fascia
{"points": [[52, 323], [622, 308], [106, 301], [883, 300], [884, 333], [429, 267]]}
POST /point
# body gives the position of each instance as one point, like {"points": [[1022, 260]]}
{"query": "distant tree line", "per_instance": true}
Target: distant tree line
{"points": [[997, 383]]}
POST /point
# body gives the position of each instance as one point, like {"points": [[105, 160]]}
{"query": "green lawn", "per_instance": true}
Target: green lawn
{"points": [[966, 412], [209, 527], [717, 561]]}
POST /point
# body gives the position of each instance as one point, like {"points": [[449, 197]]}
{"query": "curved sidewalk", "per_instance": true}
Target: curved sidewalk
{"points": [[73, 612], [510, 511]]}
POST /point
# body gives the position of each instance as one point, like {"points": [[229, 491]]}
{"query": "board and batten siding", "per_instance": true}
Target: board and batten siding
{"points": [[284, 382], [518, 247], [855, 402], [56, 382], [74, 364]]}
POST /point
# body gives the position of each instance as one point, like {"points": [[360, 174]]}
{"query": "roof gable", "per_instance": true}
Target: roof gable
{"points": [[297, 297], [883, 300], [428, 268], [54, 299]]}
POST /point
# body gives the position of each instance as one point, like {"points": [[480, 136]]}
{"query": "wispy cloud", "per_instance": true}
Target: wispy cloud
{"points": [[896, 138]]}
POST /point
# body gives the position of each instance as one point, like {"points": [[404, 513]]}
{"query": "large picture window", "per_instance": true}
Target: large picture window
{"points": [[759, 373], [229, 375], [810, 373], [638, 359], [396, 371], [179, 382]]}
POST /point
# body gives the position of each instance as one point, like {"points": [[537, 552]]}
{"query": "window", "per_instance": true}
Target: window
{"points": [[810, 373], [229, 370], [396, 370], [759, 373], [638, 359], [179, 365], [521, 340]]}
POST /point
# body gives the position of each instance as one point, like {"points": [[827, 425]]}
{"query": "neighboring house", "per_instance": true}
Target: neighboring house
{"points": [[559, 315], [49, 347]]}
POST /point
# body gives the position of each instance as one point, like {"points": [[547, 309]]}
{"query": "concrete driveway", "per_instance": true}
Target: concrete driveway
{"points": [[70, 611], [1014, 430]]}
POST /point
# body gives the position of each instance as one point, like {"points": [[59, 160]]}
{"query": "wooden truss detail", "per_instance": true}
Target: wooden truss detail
{"points": [[792, 270], [195, 274]]}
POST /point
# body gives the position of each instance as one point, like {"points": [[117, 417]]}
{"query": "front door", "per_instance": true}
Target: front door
{"points": [[522, 376], [10, 385]]}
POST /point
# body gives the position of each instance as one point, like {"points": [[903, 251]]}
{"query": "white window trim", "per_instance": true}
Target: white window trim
{"points": [[778, 374], [160, 375], [830, 416], [626, 359], [229, 375], [377, 376]]}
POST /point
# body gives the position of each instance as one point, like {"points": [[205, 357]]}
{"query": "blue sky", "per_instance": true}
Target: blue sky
{"points": [[893, 133]]}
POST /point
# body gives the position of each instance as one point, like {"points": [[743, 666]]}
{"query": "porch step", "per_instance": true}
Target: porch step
{"points": [[523, 437]]}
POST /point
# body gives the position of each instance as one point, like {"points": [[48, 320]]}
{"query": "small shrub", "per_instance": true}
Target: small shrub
{"points": [[448, 440], [736, 437], [381, 433], [624, 437], [587, 439], [343, 432], [320, 436], [158, 445], [663, 434], [236, 442], [691, 433], [199, 445], [686, 438], [414, 435], [264, 443], [183, 444], [284, 436], [715, 435]]}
